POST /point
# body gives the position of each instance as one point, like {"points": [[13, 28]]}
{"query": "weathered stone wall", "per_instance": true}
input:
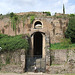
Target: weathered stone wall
{"points": [[36, 13], [54, 26], [58, 56], [12, 61], [62, 61]]}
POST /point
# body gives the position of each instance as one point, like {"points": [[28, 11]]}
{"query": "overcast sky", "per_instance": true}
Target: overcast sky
{"points": [[16, 6]]}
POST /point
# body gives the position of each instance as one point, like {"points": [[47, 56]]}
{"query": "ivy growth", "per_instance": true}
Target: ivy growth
{"points": [[14, 21], [32, 19], [23, 19]]}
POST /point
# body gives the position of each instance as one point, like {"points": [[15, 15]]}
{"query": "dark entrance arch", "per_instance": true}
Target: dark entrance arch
{"points": [[38, 44]]}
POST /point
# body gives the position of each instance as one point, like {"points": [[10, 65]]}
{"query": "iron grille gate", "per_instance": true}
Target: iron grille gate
{"points": [[37, 61]]}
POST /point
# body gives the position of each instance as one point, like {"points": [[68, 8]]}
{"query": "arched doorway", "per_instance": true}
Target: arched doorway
{"points": [[37, 44]]}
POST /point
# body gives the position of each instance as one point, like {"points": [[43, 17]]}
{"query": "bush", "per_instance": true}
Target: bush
{"points": [[11, 43], [47, 13]]}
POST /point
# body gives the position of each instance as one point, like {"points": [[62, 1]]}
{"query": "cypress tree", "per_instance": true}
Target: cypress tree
{"points": [[63, 9]]}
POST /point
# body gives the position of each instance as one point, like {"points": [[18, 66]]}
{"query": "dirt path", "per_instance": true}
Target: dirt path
{"points": [[31, 73]]}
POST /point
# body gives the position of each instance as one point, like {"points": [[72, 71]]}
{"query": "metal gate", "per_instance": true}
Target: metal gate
{"points": [[37, 61]]}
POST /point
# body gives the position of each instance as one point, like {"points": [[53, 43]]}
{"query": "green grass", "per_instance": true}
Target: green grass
{"points": [[59, 46]]}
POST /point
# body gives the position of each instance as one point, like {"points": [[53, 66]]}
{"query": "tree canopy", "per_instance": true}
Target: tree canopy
{"points": [[70, 32]]}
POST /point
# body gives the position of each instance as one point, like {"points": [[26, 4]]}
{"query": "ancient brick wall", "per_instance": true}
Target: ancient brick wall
{"points": [[54, 27]]}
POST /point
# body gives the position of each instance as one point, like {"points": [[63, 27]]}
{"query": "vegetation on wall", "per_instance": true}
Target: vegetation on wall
{"points": [[11, 43], [1, 16], [8, 59], [4, 16], [14, 21], [47, 13], [32, 19], [23, 19]]}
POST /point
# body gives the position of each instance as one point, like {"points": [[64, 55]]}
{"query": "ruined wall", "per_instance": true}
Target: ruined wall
{"points": [[12, 61], [62, 61], [36, 13], [54, 27]]}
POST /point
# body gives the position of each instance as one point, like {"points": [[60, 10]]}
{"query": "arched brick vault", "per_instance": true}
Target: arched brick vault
{"points": [[39, 22]]}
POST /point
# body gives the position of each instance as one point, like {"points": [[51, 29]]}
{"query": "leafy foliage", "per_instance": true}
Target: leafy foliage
{"points": [[70, 32], [32, 19], [72, 15], [11, 43], [47, 13]]}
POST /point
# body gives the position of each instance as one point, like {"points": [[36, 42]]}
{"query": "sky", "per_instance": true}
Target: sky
{"points": [[17, 6]]}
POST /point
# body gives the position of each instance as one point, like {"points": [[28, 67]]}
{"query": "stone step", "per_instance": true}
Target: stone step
{"points": [[40, 64]]}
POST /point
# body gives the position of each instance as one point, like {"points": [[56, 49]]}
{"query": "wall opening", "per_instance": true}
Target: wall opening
{"points": [[37, 44], [37, 24]]}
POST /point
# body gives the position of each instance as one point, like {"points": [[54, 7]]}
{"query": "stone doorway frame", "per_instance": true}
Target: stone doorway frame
{"points": [[43, 44]]}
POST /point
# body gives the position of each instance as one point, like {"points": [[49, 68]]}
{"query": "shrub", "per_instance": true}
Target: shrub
{"points": [[47, 13], [11, 43]]}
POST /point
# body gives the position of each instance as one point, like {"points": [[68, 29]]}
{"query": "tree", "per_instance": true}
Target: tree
{"points": [[12, 14], [70, 32], [63, 9]]}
